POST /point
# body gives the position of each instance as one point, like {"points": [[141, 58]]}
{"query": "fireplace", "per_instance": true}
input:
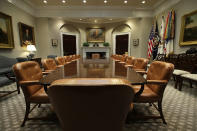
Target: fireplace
{"points": [[102, 51], [89, 55]]}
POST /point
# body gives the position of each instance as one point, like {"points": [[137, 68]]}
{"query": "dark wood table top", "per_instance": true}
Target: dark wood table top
{"points": [[93, 68]]}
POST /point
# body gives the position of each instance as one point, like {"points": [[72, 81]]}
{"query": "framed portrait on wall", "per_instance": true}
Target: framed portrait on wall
{"points": [[95, 35], [54, 42], [26, 34], [6, 31], [188, 34]]}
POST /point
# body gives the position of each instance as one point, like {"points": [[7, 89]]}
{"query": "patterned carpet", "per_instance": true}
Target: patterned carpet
{"points": [[180, 111]]}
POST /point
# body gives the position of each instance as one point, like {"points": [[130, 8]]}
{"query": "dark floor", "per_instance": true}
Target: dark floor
{"points": [[180, 111]]}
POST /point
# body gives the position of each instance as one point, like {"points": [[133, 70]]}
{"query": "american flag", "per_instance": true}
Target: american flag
{"points": [[150, 43]]}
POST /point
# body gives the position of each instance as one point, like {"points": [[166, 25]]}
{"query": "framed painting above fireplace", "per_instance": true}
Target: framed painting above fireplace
{"points": [[95, 35]]}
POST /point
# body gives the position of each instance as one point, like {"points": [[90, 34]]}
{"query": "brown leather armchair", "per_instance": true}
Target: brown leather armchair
{"points": [[28, 75], [49, 64], [158, 76], [78, 56], [130, 61], [91, 104], [117, 57], [123, 59], [60, 60], [139, 64], [68, 59]]}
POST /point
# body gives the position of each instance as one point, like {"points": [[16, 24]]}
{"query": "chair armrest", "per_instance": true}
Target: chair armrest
{"points": [[46, 73], [139, 92], [60, 65], [138, 70], [131, 66], [29, 83], [117, 60], [157, 82], [141, 71], [121, 62]]}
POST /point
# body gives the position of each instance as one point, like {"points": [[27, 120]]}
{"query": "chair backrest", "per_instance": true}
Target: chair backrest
{"points": [[60, 60], [91, 104], [140, 63], [124, 58], [49, 64], [130, 60], [67, 58], [28, 71], [78, 56], [159, 70], [52, 56]]}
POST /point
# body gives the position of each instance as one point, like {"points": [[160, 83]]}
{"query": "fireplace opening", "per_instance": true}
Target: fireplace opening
{"points": [[89, 55]]}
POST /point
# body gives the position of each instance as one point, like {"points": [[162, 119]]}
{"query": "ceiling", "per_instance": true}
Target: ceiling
{"points": [[131, 3]]}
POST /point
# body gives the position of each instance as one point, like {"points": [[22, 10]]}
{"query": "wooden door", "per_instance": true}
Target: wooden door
{"points": [[122, 44], [69, 44]]}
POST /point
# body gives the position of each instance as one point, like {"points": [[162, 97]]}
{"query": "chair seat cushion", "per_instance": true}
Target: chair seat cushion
{"points": [[190, 76], [180, 72], [147, 95], [40, 97]]}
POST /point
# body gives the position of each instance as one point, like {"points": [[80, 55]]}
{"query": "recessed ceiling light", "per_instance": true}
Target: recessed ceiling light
{"points": [[63, 1], [143, 2], [95, 21], [80, 19], [110, 19], [125, 1], [84, 1], [45, 1], [105, 1]]}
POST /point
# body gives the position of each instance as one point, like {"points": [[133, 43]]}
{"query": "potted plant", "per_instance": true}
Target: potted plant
{"points": [[85, 44], [106, 44]]}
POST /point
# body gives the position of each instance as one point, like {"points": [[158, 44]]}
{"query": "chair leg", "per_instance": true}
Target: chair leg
{"points": [[176, 82], [180, 83], [18, 87], [174, 78], [39, 105], [161, 112], [190, 82], [26, 113]]}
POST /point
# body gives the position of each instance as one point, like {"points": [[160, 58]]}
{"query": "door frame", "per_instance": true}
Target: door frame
{"points": [[129, 41], [77, 41]]}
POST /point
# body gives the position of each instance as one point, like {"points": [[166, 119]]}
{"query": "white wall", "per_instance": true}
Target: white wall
{"points": [[181, 8], [18, 15]]}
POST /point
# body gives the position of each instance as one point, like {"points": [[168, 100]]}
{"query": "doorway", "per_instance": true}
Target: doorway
{"points": [[121, 43], [69, 44]]}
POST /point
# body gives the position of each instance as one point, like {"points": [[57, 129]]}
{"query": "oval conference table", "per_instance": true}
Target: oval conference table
{"points": [[94, 68]]}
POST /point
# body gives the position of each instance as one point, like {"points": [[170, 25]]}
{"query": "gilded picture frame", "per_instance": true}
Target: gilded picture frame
{"points": [[188, 34], [6, 31], [26, 33], [95, 35]]}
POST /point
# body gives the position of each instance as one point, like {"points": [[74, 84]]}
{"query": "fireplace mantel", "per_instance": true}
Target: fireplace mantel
{"points": [[96, 49]]}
